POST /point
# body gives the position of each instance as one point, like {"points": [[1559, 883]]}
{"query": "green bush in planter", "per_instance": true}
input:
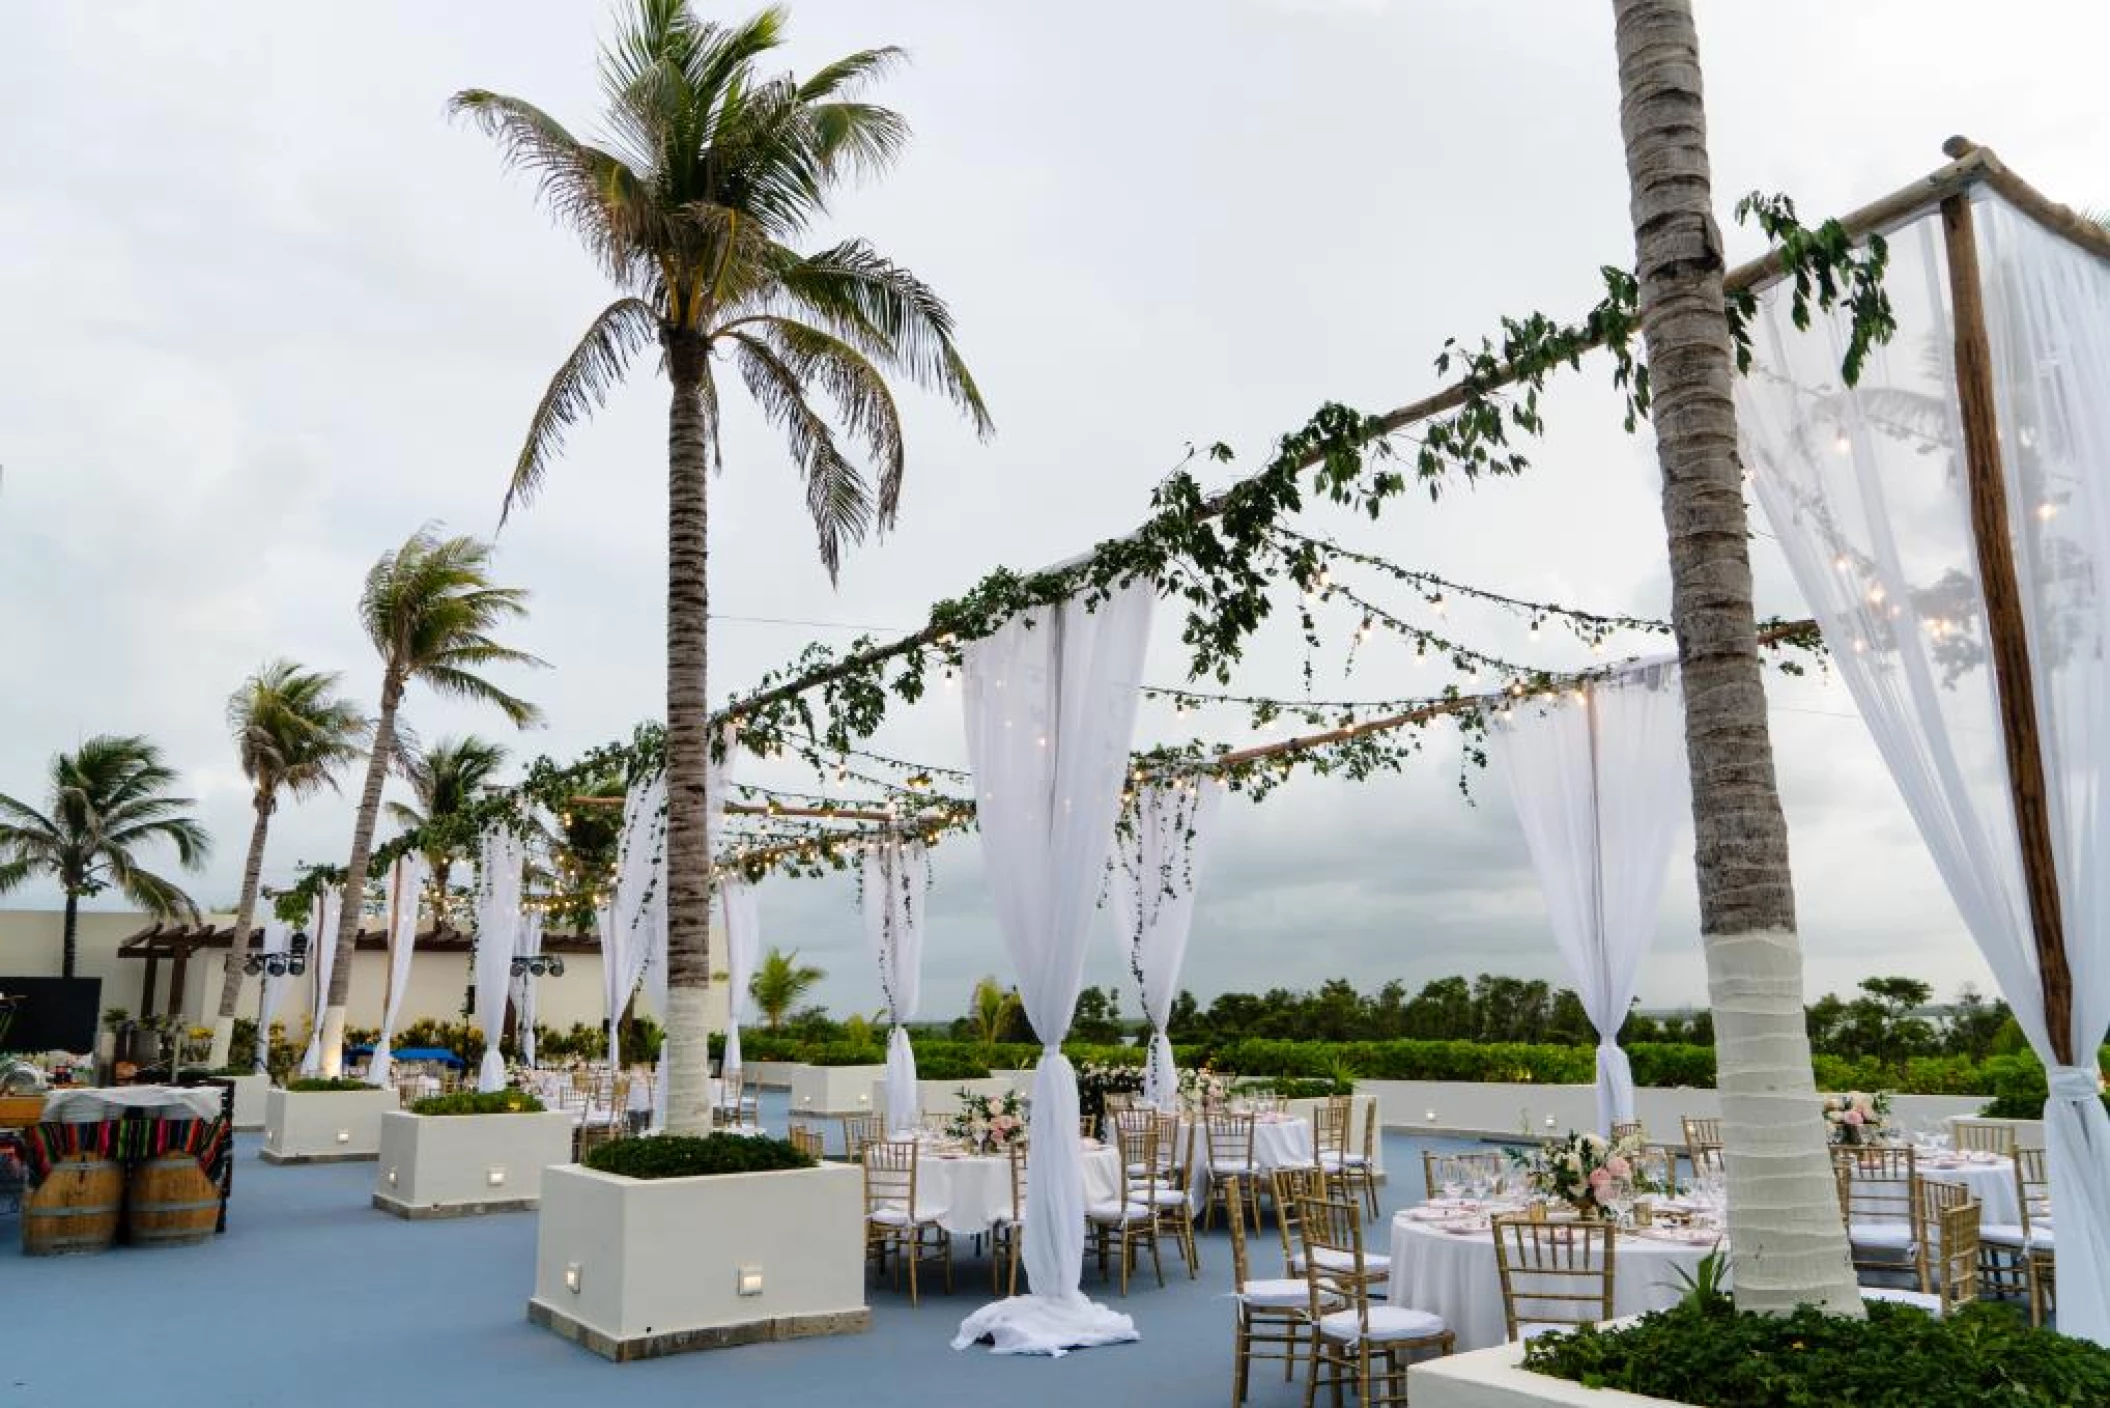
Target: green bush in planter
{"points": [[479, 1102], [683, 1156], [840, 1053], [1704, 1352], [313, 1083], [949, 1065]]}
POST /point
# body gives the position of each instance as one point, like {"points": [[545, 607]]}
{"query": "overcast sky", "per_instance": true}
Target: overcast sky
{"points": [[263, 311]]}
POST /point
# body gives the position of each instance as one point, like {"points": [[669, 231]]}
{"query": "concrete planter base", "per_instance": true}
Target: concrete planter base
{"points": [[464, 1165], [833, 1090], [324, 1126], [249, 1095], [635, 1269], [942, 1097], [1491, 1378]]}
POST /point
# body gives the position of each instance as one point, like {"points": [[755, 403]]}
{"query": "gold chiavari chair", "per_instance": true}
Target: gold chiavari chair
{"points": [[860, 1132], [1274, 1318], [1956, 1226], [1628, 1129], [1701, 1130], [1885, 1209], [1329, 1135], [808, 1141], [1983, 1137], [895, 1227], [1554, 1274], [1359, 1168], [1367, 1342], [1149, 1144], [1005, 1235], [1120, 1227], [2017, 1257], [1119, 1100], [1292, 1188], [1229, 1140]]}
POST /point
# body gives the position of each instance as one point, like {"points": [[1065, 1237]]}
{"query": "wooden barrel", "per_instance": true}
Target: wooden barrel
{"points": [[75, 1209], [171, 1202]]}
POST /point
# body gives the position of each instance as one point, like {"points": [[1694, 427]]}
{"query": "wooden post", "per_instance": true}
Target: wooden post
{"points": [[147, 983], [2006, 636]]}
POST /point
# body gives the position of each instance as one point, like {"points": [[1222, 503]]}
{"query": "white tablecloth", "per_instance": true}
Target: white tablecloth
{"points": [[1991, 1183], [967, 1193], [1278, 1142], [200, 1102], [1455, 1276]]}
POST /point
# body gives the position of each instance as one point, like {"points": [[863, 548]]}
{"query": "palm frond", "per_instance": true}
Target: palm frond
{"points": [[157, 895], [837, 498], [461, 684], [16, 873], [863, 401], [851, 73], [580, 387]]}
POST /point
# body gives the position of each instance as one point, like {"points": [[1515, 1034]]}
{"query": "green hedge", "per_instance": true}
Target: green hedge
{"points": [[838, 1053], [681, 1156], [307, 1084], [478, 1102], [950, 1065]]}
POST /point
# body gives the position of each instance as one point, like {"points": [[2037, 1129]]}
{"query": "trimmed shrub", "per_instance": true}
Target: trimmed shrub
{"points": [[950, 1065], [681, 1156], [307, 1084], [838, 1053], [479, 1102]]}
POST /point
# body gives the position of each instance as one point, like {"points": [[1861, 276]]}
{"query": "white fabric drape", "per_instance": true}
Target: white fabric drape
{"points": [[626, 920], [406, 881], [743, 941], [896, 884], [1051, 706], [322, 960], [497, 929], [1600, 785], [1867, 492], [1157, 868], [278, 938], [529, 945]]}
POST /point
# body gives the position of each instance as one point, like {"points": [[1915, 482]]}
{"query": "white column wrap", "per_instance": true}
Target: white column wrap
{"points": [[896, 885], [497, 928], [406, 886]]}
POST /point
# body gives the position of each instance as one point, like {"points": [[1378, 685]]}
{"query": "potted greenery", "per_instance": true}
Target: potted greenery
{"points": [[467, 1153], [315, 1120], [669, 1244]]}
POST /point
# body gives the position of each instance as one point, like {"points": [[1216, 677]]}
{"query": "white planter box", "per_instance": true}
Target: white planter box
{"points": [[324, 1126], [1020, 1080], [774, 1074], [456, 1165], [1490, 1378], [833, 1090], [942, 1097], [249, 1093], [634, 1269]]}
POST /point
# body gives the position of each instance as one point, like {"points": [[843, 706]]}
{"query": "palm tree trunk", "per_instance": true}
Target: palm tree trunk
{"points": [[688, 869], [377, 761], [1783, 1208], [244, 918], [69, 935]]}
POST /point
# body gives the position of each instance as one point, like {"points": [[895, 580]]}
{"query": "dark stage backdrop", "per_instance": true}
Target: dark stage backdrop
{"points": [[55, 1014]]}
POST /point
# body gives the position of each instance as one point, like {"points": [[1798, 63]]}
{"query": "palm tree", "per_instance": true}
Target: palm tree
{"points": [[429, 608], [107, 801], [710, 168], [292, 734], [778, 984], [990, 1008], [1779, 1171], [446, 777]]}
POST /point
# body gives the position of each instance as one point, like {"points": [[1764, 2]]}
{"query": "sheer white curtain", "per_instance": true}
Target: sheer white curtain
{"points": [[625, 920], [1157, 867], [497, 929], [278, 938], [529, 945], [1600, 785], [406, 881], [1051, 707], [1867, 493], [896, 884], [322, 959], [743, 941]]}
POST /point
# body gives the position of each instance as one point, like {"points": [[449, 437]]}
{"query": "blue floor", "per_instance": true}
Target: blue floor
{"points": [[313, 1298]]}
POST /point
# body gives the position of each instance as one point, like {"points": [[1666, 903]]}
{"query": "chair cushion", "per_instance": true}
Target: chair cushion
{"points": [[1387, 1322], [1118, 1212], [1886, 1236], [898, 1217], [1276, 1295], [1227, 1168], [1170, 1197], [1918, 1300], [2002, 1234], [1374, 1263]]}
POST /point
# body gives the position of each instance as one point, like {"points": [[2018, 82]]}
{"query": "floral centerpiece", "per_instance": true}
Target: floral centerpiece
{"points": [[1202, 1088], [988, 1124], [1857, 1118], [1580, 1168]]}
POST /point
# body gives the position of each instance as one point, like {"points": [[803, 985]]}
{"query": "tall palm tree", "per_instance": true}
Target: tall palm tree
{"points": [[445, 777], [780, 980], [292, 733], [1780, 1176], [106, 801], [429, 608], [708, 170]]}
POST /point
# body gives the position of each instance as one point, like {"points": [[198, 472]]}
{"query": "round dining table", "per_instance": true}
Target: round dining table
{"points": [[1279, 1141], [1989, 1177], [967, 1193], [1443, 1261]]}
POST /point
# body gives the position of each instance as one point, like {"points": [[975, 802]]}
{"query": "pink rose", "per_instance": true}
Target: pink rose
{"points": [[1599, 1177], [1618, 1167], [1853, 1117]]}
